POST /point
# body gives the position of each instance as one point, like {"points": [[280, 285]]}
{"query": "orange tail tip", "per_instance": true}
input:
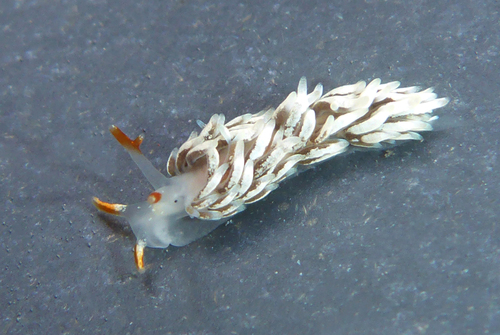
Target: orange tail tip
{"points": [[115, 209], [139, 256], [125, 141]]}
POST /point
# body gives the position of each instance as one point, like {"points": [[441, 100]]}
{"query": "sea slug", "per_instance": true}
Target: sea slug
{"points": [[229, 165]]}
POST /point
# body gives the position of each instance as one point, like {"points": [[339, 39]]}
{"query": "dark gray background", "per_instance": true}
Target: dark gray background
{"points": [[399, 242]]}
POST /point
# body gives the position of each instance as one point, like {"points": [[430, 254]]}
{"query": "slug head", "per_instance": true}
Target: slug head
{"points": [[162, 219]]}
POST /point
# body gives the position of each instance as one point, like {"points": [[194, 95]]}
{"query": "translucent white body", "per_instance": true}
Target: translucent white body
{"points": [[163, 220], [166, 222]]}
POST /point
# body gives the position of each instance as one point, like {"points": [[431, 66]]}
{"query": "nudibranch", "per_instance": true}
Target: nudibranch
{"points": [[229, 165]]}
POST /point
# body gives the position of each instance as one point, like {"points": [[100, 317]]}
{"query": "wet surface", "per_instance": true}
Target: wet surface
{"points": [[399, 241]]}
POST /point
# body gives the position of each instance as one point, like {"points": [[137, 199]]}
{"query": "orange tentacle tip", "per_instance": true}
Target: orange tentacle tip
{"points": [[139, 257], [154, 197], [125, 141], [115, 209]]}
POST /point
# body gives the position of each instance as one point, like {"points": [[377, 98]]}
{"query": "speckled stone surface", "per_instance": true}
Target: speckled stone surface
{"points": [[404, 241]]}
